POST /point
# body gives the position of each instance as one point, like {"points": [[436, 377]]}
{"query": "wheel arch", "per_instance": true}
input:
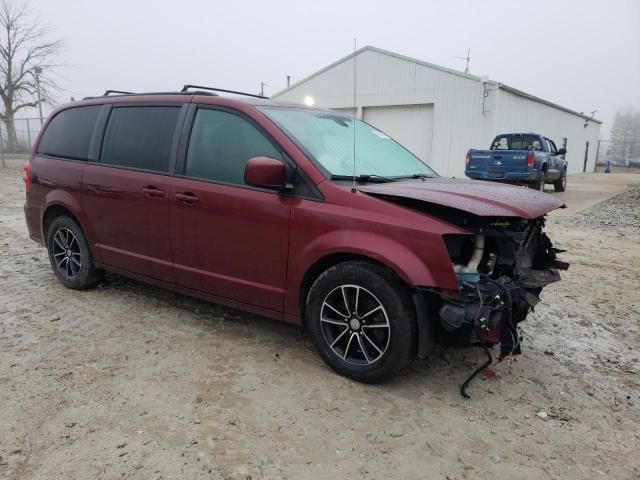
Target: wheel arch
{"points": [[51, 213], [330, 260], [60, 203]]}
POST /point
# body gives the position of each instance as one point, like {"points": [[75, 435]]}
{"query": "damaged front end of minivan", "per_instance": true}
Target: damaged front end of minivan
{"points": [[501, 269], [501, 256]]}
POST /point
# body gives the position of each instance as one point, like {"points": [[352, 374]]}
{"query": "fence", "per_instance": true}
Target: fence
{"points": [[626, 155], [14, 155], [27, 130]]}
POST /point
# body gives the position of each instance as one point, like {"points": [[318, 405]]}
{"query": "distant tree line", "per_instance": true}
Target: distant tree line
{"points": [[625, 137]]}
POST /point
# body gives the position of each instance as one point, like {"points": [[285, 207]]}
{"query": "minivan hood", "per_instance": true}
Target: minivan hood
{"points": [[484, 199]]}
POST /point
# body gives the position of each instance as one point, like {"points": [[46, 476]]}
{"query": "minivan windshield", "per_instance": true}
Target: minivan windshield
{"points": [[328, 137]]}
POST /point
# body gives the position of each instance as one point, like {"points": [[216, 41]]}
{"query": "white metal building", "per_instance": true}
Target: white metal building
{"points": [[439, 113]]}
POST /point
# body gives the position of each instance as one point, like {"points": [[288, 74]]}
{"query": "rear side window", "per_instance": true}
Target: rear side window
{"points": [[68, 134], [140, 137], [221, 143]]}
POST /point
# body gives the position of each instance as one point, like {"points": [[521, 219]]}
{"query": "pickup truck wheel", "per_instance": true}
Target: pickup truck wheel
{"points": [[70, 256], [538, 184], [362, 321], [560, 185]]}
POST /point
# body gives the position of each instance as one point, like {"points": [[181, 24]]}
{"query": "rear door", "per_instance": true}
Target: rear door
{"points": [[126, 193], [228, 239]]}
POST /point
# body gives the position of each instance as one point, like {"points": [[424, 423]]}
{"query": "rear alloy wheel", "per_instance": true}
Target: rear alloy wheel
{"points": [[66, 253], [362, 321], [69, 255], [560, 185]]}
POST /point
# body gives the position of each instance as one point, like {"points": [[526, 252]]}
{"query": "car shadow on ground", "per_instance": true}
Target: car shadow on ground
{"points": [[448, 366]]}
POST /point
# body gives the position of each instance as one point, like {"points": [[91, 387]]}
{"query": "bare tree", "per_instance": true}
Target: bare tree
{"points": [[25, 64], [625, 136]]}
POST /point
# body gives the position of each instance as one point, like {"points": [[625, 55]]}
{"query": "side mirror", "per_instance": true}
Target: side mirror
{"points": [[562, 151], [265, 172]]}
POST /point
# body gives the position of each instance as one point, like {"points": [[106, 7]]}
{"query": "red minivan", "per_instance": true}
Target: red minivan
{"points": [[296, 213]]}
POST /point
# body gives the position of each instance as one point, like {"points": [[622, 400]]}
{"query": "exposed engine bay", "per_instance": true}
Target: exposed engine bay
{"points": [[501, 271]]}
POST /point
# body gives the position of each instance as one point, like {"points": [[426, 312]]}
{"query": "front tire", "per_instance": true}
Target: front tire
{"points": [[70, 256], [362, 321]]}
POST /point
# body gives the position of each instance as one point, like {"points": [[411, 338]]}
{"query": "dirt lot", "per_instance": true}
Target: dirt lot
{"points": [[130, 381]]}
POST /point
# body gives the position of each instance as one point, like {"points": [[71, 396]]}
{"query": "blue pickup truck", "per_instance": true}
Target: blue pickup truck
{"points": [[521, 158]]}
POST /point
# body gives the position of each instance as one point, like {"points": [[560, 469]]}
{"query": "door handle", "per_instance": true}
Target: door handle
{"points": [[153, 192], [187, 197]]}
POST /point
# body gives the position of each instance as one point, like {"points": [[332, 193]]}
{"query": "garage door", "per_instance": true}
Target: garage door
{"points": [[411, 125]]}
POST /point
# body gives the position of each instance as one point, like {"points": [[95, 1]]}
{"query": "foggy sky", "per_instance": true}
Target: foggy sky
{"points": [[582, 54]]}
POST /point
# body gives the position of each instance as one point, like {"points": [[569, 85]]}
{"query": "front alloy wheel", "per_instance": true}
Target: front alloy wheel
{"points": [[362, 321], [355, 324]]}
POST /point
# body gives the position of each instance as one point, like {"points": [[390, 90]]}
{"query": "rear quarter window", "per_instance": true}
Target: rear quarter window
{"points": [[68, 134]]}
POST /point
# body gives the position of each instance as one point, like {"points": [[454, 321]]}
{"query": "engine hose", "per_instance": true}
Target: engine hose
{"points": [[463, 388]]}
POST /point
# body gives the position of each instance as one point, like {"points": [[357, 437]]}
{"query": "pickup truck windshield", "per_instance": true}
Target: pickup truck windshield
{"points": [[328, 137], [516, 141]]}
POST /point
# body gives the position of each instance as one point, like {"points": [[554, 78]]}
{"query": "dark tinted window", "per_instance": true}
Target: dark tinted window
{"points": [[140, 137], [220, 145], [516, 141], [69, 133]]}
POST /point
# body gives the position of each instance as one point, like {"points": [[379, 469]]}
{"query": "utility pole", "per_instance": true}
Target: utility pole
{"points": [[288, 81], [37, 71], [262, 85]]}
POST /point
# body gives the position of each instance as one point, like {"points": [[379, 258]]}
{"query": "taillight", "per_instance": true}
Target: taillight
{"points": [[466, 160], [27, 177], [530, 160]]}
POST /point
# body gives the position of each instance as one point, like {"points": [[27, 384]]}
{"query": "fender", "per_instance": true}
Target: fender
{"points": [[69, 201], [405, 263]]}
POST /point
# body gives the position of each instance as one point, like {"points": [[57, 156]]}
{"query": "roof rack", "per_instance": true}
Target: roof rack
{"points": [[120, 92], [187, 87], [123, 93]]}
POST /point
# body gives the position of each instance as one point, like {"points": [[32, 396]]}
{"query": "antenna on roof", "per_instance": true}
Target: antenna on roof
{"points": [[593, 114], [355, 115], [467, 58]]}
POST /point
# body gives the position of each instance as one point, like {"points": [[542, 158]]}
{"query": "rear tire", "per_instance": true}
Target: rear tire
{"points": [[560, 185], [362, 321], [539, 184], [70, 256]]}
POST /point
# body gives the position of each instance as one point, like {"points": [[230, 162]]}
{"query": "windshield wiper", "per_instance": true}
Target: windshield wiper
{"points": [[364, 178], [416, 175]]}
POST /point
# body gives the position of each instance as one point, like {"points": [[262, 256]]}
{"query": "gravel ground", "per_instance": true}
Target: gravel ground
{"points": [[620, 211], [130, 381]]}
